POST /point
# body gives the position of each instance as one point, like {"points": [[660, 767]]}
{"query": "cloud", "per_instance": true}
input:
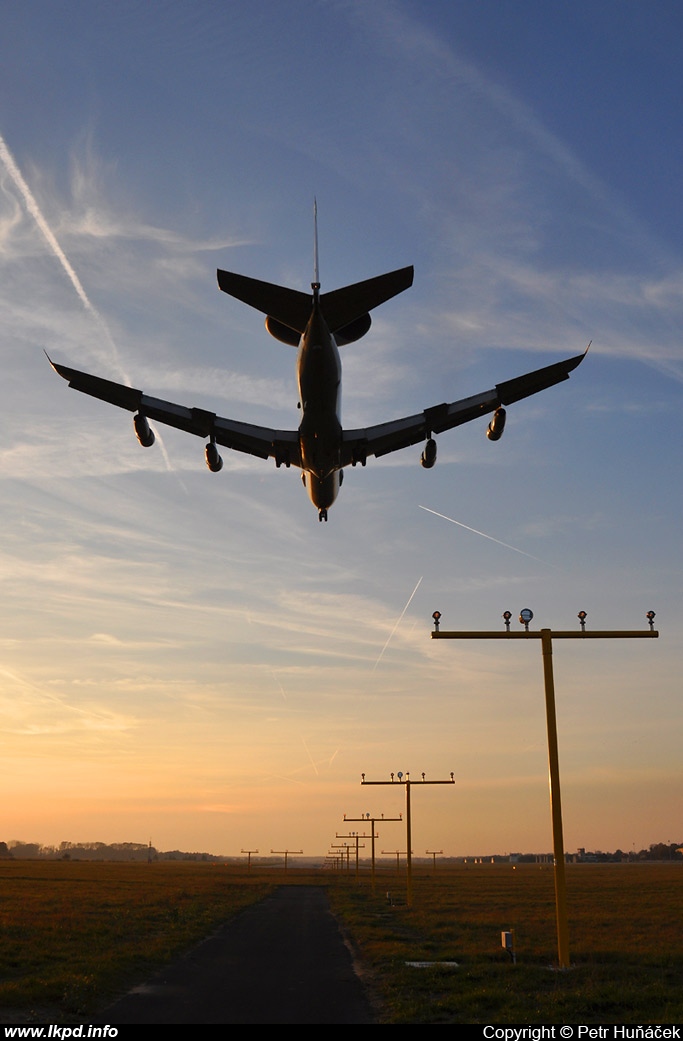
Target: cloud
{"points": [[28, 710]]}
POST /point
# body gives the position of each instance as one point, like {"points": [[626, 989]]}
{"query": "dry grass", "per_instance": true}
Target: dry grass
{"points": [[73, 935], [626, 944]]}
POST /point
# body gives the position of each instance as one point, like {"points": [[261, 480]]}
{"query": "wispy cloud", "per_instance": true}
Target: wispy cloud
{"points": [[27, 709]]}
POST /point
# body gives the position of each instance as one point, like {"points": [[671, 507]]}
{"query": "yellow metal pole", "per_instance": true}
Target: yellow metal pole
{"points": [[555, 801], [373, 822], [409, 885], [546, 636], [407, 783]]}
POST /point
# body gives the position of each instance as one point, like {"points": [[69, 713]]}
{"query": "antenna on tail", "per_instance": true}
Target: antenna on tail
{"points": [[315, 284]]}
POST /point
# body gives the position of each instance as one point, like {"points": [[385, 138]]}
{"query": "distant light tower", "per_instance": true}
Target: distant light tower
{"points": [[287, 853], [372, 821], [395, 853], [345, 848], [355, 835], [434, 853], [407, 782], [249, 853], [546, 637]]}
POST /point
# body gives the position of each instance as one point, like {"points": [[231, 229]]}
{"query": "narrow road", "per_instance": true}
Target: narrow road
{"points": [[283, 960]]}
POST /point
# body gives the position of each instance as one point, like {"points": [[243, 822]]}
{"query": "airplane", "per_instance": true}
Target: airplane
{"points": [[318, 324]]}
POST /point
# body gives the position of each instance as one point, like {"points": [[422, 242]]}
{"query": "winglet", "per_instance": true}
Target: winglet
{"points": [[57, 368]]}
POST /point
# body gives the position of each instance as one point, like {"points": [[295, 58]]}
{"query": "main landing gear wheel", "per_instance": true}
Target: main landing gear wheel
{"points": [[322, 515]]}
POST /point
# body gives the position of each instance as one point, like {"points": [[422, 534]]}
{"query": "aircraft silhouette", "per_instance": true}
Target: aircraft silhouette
{"points": [[318, 324]]}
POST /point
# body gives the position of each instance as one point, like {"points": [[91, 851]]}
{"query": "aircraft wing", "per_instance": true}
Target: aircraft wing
{"points": [[400, 433], [282, 445]]}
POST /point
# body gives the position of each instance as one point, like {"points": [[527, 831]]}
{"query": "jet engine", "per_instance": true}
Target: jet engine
{"points": [[143, 431], [496, 427], [353, 331], [282, 332], [428, 457], [213, 459]]}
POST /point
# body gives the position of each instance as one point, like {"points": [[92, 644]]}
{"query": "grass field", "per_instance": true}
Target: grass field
{"points": [[625, 941], [72, 935]]}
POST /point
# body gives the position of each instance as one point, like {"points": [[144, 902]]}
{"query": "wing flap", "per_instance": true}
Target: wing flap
{"points": [[262, 442], [388, 437]]}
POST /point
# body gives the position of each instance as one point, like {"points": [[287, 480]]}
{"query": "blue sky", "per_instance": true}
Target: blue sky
{"points": [[193, 658]]}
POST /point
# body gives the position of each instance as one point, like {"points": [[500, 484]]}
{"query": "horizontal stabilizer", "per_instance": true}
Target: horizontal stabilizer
{"points": [[343, 306], [288, 306]]}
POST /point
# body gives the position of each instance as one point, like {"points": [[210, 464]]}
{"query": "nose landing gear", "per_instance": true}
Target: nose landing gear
{"points": [[322, 514]]}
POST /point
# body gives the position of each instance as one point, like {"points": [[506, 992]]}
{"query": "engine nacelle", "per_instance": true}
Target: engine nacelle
{"points": [[353, 331], [282, 332], [428, 457], [143, 431], [496, 427], [213, 459]]}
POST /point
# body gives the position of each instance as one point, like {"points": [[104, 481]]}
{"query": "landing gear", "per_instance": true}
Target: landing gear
{"points": [[322, 514]]}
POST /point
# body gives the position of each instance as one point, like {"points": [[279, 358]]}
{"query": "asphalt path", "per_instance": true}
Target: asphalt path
{"points": [[283, 960]]}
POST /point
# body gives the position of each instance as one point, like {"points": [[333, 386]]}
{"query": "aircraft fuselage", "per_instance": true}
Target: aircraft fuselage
{"points": [[320, 430]]}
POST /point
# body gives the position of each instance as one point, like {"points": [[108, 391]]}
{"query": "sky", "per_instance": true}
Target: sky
{"points": [[192, 658]]}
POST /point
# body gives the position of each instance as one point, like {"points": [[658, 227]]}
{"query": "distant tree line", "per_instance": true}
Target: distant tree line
{"points": [[137, 851], [656, 851]]}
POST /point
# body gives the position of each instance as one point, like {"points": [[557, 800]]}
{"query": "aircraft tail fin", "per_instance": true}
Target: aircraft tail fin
{"points": [[316, 267]]}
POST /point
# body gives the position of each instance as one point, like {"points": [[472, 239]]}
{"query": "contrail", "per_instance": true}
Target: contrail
{"points": [[313, 762], [398, 622], [52, 241], [485, 536], [277, 680]]}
